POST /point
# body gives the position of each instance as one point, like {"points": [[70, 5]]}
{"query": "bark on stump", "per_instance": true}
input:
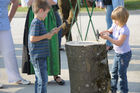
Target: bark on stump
{"points": [[88, 67]]}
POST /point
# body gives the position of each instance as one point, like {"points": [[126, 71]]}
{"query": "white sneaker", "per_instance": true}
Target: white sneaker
{"points": [[1, 85], [24, 82]]}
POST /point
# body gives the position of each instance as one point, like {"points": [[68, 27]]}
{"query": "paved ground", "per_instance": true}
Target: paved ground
{"points": [[99, 23]]}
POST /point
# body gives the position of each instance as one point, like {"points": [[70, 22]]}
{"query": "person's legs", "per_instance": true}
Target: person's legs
{"points": [[114, 74], [8, 52], [101, 4], [122, 69], [58, 22], [117, 3], [44, 74], [40, 68], [109, 9]]}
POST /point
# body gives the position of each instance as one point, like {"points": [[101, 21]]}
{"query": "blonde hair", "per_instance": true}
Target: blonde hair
{"points": [[121, 15], [40, 4]]}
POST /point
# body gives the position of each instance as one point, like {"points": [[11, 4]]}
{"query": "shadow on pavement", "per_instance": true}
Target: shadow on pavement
{"points": [[135, 52], [19, 88], [132, 67], [4, 92]]}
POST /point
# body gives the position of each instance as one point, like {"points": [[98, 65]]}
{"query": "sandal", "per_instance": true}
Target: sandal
{"points": [[62, 82]]}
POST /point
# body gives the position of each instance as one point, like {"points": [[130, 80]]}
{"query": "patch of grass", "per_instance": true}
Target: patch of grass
{"points": [[129, 4], [22, 9], [95, 9], [132, 4]]}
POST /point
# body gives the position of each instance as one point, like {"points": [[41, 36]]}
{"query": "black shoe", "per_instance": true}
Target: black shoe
{"points": [[62, 82], [110, 48], [61, 49]]}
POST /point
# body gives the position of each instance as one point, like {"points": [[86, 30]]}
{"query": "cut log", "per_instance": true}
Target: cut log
{"points": [[88, 67]]}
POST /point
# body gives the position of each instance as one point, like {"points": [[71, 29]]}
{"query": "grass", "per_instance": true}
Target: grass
{"points": [[132, 4], [129, 4], [22, 9]]}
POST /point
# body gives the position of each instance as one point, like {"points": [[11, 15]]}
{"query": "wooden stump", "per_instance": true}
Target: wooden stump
{"points": [[88, 67]]}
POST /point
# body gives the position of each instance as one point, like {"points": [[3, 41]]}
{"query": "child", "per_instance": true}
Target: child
{"points": [[121, 46], [38, 44]]}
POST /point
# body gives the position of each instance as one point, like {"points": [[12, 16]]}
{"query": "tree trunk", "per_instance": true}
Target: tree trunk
{"points": [[88, 67]]}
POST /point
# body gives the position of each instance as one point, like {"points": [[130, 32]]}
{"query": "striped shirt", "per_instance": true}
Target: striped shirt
{"points": [[39, 48]]}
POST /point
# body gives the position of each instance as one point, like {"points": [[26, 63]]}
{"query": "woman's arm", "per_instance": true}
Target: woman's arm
{"points": [[13, 8]]}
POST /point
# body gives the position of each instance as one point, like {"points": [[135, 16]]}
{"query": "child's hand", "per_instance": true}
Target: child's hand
{"points": [[104, 36], [104, 32], [52, 32], [49, 35], [55, 30]]}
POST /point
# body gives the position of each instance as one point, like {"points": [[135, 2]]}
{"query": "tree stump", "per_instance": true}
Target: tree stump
{"points": [[88, 67]]}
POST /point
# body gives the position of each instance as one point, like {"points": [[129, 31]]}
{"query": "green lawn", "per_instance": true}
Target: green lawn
{"points": [[132, 4], [22, 9], [129, 4]]}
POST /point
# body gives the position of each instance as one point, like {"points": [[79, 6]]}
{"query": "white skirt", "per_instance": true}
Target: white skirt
{"points": [[8, 53]]}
